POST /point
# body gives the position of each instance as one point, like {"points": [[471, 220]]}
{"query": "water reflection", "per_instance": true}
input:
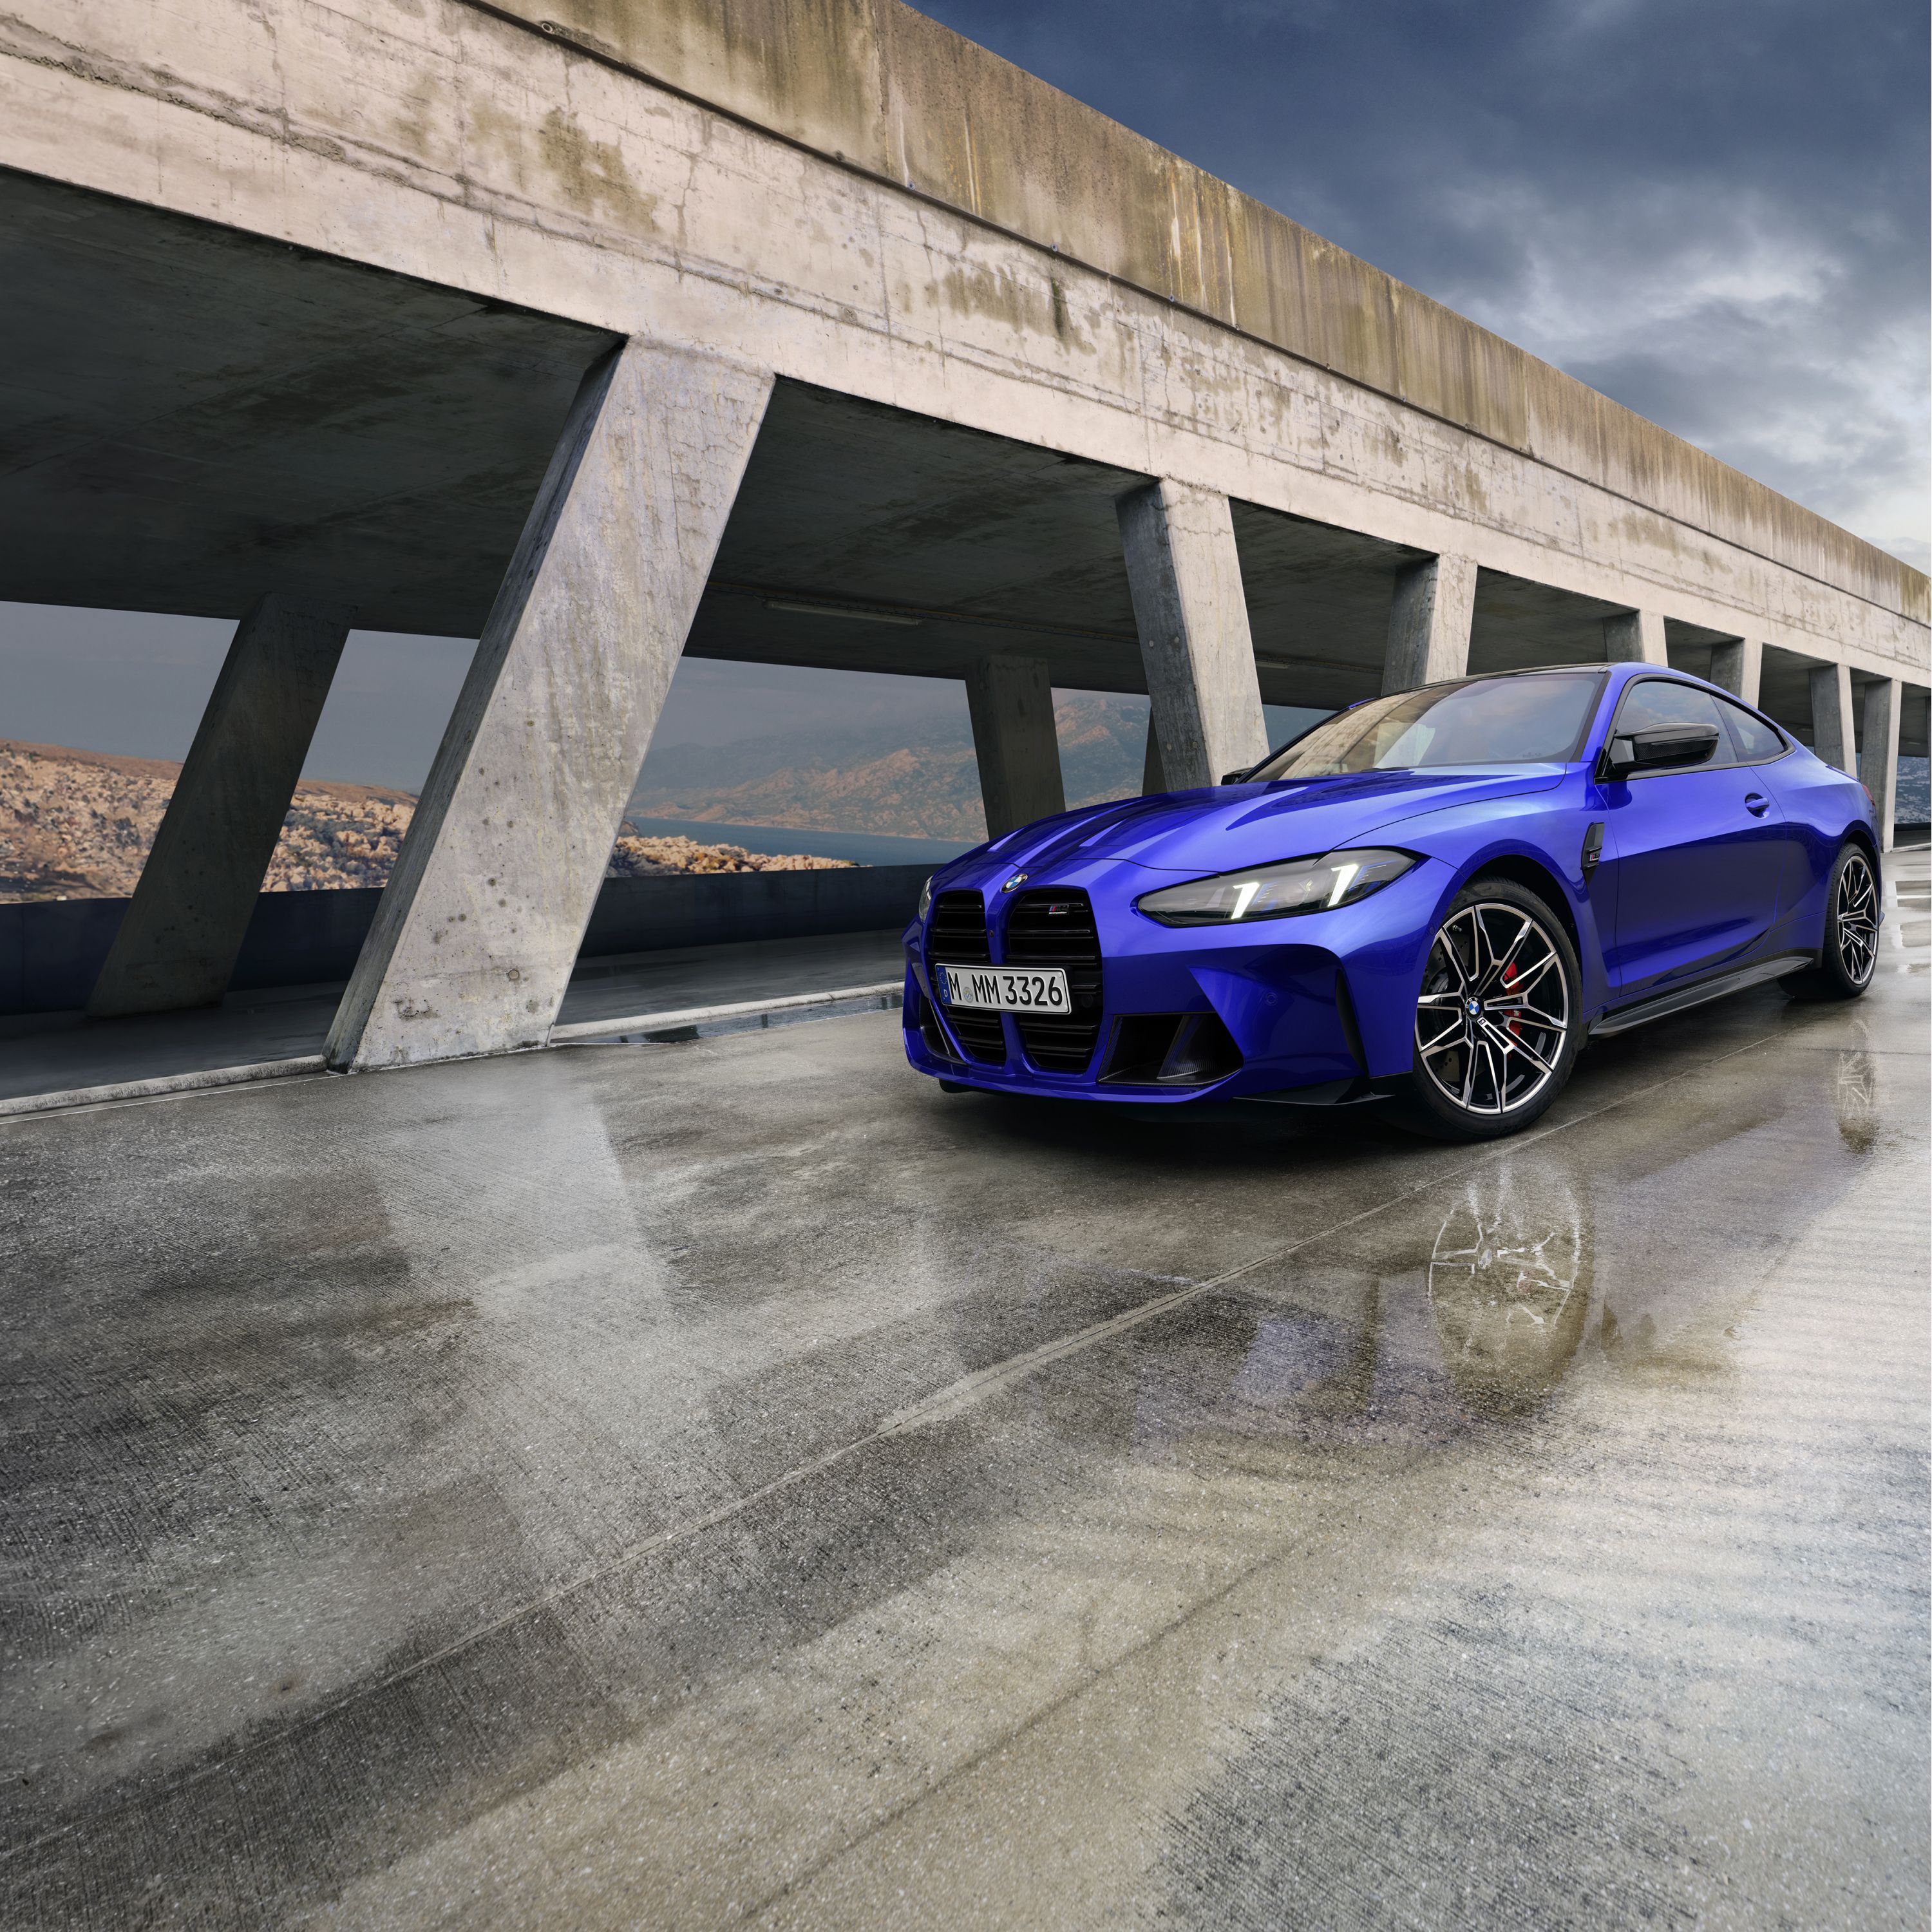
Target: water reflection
{"points": [[1509, 1287], [1855, 1100]]}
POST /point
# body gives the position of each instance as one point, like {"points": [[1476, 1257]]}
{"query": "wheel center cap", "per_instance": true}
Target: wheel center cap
{"points": [[1475, 1007]]}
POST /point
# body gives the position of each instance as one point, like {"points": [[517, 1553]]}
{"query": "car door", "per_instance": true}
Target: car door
{"points": [[1697, 850]]}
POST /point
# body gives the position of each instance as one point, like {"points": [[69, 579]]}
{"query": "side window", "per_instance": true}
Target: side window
{"points": [[1657, 701], [1756, 742]]}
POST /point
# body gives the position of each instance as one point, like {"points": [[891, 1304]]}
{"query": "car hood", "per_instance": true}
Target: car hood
{"points": [[1222, 827]]}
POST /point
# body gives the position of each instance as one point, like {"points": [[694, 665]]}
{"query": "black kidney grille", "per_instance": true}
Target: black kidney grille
{"points": [[956, 935], [956, 930], [1056, 928]]}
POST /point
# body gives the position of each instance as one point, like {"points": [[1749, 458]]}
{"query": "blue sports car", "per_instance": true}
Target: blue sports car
{"points": [[1429, 902]]}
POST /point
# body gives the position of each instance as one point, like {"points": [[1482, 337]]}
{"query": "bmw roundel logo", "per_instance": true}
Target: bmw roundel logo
{"points": [[1475, 1006], [1018, 879]]}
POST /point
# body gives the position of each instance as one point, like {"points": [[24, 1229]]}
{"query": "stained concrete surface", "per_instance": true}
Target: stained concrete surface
{"points": [[687, 1485], [44, 1053]]}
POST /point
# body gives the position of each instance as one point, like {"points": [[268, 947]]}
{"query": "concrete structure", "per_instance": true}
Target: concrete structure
{"points": [[178, 945], [481, 923], [934, 367], [1636, 637], [1011, 702], [1185, 575], [1431, 617]]}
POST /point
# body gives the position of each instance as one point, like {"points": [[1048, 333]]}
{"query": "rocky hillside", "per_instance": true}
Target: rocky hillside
{"points": [[851, 783], [78, 824]]}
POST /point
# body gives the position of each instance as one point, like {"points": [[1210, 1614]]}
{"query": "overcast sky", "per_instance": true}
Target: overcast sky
{"points": [[1716, 212]]}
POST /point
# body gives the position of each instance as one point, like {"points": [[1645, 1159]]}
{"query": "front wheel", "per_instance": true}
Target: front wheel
{"points": [[1850, 955], [1498, 1020]]}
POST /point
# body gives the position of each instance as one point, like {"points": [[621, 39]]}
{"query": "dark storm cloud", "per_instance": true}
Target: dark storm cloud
{"points": [[1715, 212]]}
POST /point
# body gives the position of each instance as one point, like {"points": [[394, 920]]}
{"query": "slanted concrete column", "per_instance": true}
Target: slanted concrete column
{"points": [[178, 938], [1739, 665], [1832, 722], [1153, 777], [475, 936], [1878, 764], [1430, 623], [1011, 699], [1184, 575], [1635, 636]]}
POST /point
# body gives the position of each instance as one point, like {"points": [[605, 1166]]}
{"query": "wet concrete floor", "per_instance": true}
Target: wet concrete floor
{"points": [[676, 1486]]}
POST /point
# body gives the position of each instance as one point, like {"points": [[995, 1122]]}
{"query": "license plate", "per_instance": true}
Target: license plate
{"points": [[1007, 989]]}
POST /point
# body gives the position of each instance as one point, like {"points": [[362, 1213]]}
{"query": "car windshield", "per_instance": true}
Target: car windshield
{"points": [[1491, 721]]}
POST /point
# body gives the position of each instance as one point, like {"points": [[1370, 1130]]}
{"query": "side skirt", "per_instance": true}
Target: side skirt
{"points": [[1622, 1019]]}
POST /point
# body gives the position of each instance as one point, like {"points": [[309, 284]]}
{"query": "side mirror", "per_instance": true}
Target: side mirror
{"points": [[1660, 747]]}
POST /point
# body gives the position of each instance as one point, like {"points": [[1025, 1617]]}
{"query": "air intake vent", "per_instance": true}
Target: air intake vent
{"points": [[1056, 928], [956, 935]]}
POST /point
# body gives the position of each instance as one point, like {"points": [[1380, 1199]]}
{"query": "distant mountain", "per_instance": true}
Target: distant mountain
{"points": [[862, 780]]}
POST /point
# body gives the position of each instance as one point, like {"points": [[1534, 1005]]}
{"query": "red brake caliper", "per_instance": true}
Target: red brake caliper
{"points": [[1509, 973]]}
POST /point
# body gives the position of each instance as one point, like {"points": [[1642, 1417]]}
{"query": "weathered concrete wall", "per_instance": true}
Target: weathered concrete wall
{"points": [[881, 216], [1204, 700], [51, 950], [888, 89], [485, 912], [190, 910]]}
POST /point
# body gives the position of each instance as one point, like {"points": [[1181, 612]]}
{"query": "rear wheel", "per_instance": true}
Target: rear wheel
{"points": [[1850, 955], [1498, 1022]]}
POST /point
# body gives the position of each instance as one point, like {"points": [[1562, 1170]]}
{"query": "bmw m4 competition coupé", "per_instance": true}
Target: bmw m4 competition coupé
{"points": [[1430, 901]]}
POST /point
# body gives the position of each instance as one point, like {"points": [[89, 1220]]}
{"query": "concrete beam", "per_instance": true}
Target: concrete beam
{"points": [[1878, 763], [1184, 574], [480, 925], [1635, 636], [1430, 622], [1738, 664], [1832, 731], [1011, 699], [177, 945], [1154, 776]]}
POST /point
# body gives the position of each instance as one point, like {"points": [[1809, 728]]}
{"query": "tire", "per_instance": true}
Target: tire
{"points": [[1476, 1077], [1850, 956]]}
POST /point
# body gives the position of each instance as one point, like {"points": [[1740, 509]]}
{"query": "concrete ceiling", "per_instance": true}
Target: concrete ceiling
{"points": [[190, 416]]}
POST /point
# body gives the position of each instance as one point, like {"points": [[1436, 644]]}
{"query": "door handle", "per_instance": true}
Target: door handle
{"points": [[1756, 804]]}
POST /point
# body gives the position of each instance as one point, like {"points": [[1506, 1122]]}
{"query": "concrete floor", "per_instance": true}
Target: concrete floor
{"points": [[45, 1053], [675, 1486]]}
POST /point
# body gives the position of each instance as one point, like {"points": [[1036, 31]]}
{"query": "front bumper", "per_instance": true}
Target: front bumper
{"points": [[1321, 1005]]}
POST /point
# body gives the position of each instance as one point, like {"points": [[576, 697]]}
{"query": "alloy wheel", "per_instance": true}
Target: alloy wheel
{"points": [[1855, 906], [1494, 1012]]}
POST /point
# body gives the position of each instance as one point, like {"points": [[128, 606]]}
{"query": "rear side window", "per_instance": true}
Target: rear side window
{"points": [[1657, 701], [1756, 742]]}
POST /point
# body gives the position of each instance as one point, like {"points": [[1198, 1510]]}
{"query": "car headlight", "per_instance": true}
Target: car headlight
{"points": [[1288, 887], [925, 900]]}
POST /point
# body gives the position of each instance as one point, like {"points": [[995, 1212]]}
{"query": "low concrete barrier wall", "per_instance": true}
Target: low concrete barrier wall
{"points": [[51, 950]]}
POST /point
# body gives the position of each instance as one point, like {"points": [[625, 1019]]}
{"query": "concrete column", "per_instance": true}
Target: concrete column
{"points": [[1153, 777], [177, 940], [474, 938], [1738, 666], [1832, 722], [1185, 577], [1430, 623], [1011, 699], [1878, 764], [1635, 636]]}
